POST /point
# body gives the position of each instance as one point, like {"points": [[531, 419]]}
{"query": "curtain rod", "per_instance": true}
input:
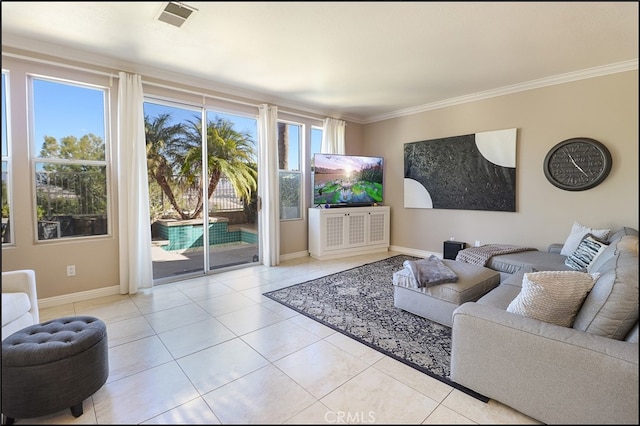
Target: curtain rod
{"points": [[115, 75]]}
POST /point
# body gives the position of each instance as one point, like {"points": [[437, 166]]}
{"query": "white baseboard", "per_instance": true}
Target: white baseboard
{"points": [[296, 255], [414, 252], [78, 297]]}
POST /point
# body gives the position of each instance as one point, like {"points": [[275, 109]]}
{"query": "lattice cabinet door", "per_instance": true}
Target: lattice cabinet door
{"points": [[378, 227], [334, 225], [356, 229]]}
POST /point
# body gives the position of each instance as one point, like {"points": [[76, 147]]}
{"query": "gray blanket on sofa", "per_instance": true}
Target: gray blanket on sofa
{"points": [[430, 271], [481, 255]]}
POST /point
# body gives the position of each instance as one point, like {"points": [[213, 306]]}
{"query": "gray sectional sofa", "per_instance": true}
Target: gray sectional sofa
{"points": [[586, 373]]}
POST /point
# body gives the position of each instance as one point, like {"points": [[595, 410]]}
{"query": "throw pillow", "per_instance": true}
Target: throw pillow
{"points": [[578, 231], [552, 296], [588, 249]]}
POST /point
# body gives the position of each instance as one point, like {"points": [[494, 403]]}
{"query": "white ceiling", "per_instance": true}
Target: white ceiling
{"points": [[360, 61]]}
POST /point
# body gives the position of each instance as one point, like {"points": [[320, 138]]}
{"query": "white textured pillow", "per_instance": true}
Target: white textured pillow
{"points": [[587, 251], [578, 231], [552, 296]]}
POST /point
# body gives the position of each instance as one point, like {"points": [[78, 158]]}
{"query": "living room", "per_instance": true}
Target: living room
{"points": [[599, 103], [602, 107]]}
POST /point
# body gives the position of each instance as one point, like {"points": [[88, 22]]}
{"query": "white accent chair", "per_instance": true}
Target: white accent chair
{"points": [[19, 301]]}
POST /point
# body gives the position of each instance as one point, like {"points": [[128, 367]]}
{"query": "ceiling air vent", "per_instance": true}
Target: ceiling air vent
{"points": [[176, 13]]}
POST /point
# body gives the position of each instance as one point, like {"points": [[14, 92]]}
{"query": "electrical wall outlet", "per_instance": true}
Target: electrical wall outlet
{"points": [[477, 243], [71, 270]]}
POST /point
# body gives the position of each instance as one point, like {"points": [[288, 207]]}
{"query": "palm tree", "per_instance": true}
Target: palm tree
{"points": [[174, 160], [161, 139], [230, 153]]}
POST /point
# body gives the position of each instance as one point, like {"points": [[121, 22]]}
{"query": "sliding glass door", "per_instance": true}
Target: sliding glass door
{"points": [[232, 188], [202, 186]]}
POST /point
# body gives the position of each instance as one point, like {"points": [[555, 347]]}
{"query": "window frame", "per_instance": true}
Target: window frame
{"points": [[283, 173], [35, 159], [311, 150], [7, 158]]}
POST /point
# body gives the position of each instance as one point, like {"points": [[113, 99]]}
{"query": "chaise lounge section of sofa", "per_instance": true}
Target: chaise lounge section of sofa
{"points": [[586, 373]]}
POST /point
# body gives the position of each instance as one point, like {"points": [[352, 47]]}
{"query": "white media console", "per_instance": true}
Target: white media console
{"points": [[348, 231]]}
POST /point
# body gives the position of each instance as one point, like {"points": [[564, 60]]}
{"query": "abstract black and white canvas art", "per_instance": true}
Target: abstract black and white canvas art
{"points": [[468, 172]]}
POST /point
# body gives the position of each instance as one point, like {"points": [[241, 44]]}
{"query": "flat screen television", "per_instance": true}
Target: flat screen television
{"points": [[347, 180]]}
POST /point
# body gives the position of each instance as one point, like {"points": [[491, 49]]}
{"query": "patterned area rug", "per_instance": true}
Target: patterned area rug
{"points": [[359, 303]]}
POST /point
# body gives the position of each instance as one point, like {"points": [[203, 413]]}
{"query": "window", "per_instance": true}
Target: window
{"points": [[69, 158], [316, 141], [290, 175], [7, 222]]}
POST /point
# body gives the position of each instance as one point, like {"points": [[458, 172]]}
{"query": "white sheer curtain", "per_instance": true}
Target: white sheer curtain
{"points": [[268, 184], [332, 136], [136, 270]]}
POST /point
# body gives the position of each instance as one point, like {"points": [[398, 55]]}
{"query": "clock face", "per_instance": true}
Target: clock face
{"points": [[577, 164]]}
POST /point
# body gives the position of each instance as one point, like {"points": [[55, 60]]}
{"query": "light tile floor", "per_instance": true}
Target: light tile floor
{"points": [[213, 350]]}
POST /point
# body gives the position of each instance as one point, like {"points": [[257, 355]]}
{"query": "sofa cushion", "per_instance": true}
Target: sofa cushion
{"points": [[14, 305], [541, 260], [588, 249], [501, 296], [578, 231], [611, 309], [632, 336], [607, 254], [516, 279], [621, 233], [630, 242], [552, 296]]}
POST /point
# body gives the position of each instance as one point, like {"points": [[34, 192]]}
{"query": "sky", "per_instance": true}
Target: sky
{"points": [[65, 110]]}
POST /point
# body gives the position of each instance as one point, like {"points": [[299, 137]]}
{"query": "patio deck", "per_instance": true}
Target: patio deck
{"points": [[171, 264]]}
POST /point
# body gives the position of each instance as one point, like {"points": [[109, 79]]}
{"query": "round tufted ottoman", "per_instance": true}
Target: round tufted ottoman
{"points": [[53, 365]]}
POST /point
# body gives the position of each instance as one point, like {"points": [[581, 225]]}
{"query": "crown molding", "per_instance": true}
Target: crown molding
{"points": [[521, 87]]}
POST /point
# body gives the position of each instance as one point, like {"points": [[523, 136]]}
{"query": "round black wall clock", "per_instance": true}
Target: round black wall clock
{"points": [[577, 164]]}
